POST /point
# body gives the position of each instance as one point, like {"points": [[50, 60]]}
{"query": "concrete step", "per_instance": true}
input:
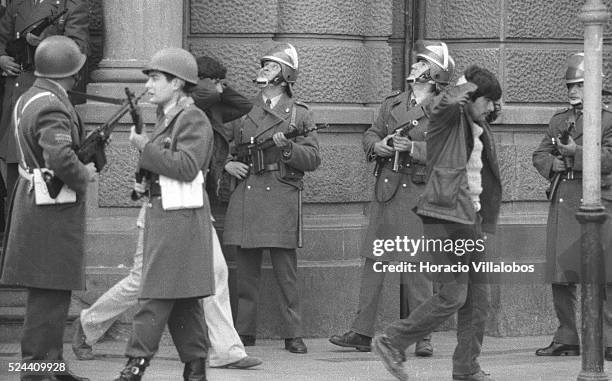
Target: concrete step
{"points": [[12, 296], [11, 324]]}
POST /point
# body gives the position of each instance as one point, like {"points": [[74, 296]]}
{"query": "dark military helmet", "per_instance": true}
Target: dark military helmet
{"points": [[58, 57], [575, 69], [175, 61]]}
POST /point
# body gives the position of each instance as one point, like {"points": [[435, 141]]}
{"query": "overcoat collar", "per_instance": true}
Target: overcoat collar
{"points": [[401, 111], [266, 119], [165, 120]]}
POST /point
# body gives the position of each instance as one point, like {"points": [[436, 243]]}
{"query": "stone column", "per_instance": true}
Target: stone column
{"points": [[133, 31]]}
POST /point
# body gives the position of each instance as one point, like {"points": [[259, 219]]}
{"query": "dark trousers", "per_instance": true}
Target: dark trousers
{"points": [[43, 327], [418, 289], [10, 174], [284, 265], [185, 319], [464, 293], [564, 301]]}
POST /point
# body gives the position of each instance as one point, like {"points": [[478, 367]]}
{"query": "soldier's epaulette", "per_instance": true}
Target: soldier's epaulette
{"points": [[561, 111], [301, 104], [395, 93]]}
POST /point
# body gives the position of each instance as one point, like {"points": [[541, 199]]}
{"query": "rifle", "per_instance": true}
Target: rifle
{"points": [[136, 114], [20, 50], [92, 148], [402, 130], [251, 153], [568, 161]]}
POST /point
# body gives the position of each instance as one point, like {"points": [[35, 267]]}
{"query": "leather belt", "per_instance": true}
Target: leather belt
{"points": [[271, 167], [405, 169]]}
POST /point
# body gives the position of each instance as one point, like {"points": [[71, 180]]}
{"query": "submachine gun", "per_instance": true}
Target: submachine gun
{"points": [[92, 148], [251, 153], [20, 50], [567, 160], [402, 130]]}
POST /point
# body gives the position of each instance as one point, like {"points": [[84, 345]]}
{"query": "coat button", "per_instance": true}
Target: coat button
{"points": [[560, 200], [404, 185], [17, 84], [267, 188], [248, 187], [386, 180]]}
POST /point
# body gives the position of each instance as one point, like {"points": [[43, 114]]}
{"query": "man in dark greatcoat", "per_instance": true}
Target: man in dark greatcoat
{"points": [[399, 131], [19, 15], [263, 211], [559, 159], [45, 249]]}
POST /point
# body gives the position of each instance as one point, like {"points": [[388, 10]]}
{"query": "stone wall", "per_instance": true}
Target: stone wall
{"points": [[352, 54]]}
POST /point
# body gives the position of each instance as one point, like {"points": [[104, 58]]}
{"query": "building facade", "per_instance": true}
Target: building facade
{"points": [[352, 53]]}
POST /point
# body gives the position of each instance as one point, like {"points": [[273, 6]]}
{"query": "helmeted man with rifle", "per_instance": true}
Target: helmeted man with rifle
{"points": [[40, 254], [396, 141], [22, 27], [264, 209], [558, 158]]}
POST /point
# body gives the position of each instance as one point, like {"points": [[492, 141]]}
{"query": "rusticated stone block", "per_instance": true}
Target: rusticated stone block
{"points": [[233, 16], [485, 57], [343, 175], [529, 184], [361, 18], [556, 19], [345, 73], [462, 19], [117, 178], [506, 155]]}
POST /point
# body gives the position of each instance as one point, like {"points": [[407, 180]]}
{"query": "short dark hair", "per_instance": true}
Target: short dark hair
{"points": [[209, 67], [488, 85], [188, 88]]}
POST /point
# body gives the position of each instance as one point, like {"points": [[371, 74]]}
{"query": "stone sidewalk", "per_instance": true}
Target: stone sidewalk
{"points": [[507, 359]]}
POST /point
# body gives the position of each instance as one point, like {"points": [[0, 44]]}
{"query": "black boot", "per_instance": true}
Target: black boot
{"points": [[195, 370], [134, 369]]}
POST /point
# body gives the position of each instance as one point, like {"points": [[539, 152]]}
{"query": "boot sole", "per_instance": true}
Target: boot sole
{"points": [[360, 348]]}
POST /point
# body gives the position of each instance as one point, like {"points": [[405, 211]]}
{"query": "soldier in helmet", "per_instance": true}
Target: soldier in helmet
{"points": [[177, 267], [558, 159], [263, 209], [48, 131], [396, 141], [17, 66], [460, 203]]}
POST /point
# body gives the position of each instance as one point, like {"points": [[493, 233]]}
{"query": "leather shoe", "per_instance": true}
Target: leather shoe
{"points": [[352, 339], [243, 363], [247, 340], [295, 345], [478, 376], [558, 349], [608, 355], [392, 358], [81, 350], [423, 348]]}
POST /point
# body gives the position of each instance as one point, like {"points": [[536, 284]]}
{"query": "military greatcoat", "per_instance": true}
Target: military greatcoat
{"points": [[563, 230], [45, 246], [263, 209], [19, 15], [177, 256], [390, 213]]}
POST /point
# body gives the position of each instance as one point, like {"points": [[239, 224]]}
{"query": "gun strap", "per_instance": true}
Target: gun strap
{"points": [[99, 98], [17, 114]]}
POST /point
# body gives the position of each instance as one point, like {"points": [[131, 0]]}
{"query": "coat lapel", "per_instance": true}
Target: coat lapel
{"points": [[266, 121]]}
